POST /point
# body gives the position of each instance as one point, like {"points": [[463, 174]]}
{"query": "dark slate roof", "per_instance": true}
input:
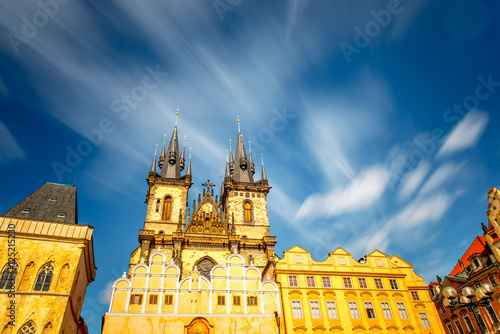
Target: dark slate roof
{"points": [[51, 202]]}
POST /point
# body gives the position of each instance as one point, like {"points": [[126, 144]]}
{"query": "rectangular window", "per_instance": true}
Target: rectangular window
{"points": [[136, 299], [378, 283], [310, 282], [394, 284], [221, 300], [326, 282], [380, 263], [347, 283], [353, 308], [370, 311], [415, 296], [332, 310], [424, 319], [386, 310], [252, 301], [292, 281], [298, 259], [236, 300], [315, 312], [468, 323], [450, 328], [402, 310], [459, 327], [362, 283], [493, 280], [342, 261], [168, 299], [153, 299], [296, 309], [491, 313], [442, 309]]}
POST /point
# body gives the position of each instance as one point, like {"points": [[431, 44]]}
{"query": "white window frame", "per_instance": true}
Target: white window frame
{"points": [[298, 259], [327, 279], [458, 325], [403, 313], [362, 279], [297, 309], [309, 278], [342, 261], [424, 319], [290, 281], [386, 310], [315, 309], [347, 279], [332, 309], [369, 306], [354, 310], [379, 262]]}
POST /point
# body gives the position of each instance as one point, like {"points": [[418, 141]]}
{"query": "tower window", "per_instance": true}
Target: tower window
{"points": [[248, 212], [44, 278], [167, 208], [28, 328]]}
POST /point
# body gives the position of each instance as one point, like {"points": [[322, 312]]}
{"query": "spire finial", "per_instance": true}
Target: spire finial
{"points": [[238, 124], [176, 116], [153, 165], [263, 173], [249, 146], [227, 156]]}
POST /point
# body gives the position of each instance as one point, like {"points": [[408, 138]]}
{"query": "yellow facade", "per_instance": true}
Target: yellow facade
{"points": [[378, 294], [67, 249]]}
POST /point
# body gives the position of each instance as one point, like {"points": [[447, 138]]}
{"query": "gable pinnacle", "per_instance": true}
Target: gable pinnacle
{"points": [[162, 154], [182, 159], [250, 159], [231, 160], [153, 165], [188, 170], [263, 177]]}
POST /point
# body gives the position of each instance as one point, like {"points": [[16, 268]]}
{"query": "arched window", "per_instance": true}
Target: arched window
{"points": [[476, 263], [28, 328], [167, 207], [44, 278], [248, 212], [8, 278]]}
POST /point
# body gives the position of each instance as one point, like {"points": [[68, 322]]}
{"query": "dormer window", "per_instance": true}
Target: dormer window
{"points": [[476, 263], [61, 215], [52, 199], [26, 210]]}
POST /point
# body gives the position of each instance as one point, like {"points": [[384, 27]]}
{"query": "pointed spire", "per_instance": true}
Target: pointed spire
{"points": [[250, 159], [231, 159], [171, 168], [241, 171], [153, 165], [162, 155], [188, 170], [264, 177], [182, 159]]}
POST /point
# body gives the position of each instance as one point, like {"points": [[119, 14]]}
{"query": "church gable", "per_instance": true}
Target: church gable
{"points": [[207, 219]]}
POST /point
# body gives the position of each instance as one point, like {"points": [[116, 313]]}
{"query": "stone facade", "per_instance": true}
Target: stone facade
{"points": [[67, 249]]}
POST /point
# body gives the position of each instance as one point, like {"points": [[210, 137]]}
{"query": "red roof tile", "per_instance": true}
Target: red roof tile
{"points": [[477, 247]]}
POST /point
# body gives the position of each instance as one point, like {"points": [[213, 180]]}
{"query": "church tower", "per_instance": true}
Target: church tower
{"points": [[199, 269]]}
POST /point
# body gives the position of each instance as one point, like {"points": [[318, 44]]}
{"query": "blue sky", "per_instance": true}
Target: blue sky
{"points": [[376, 120]]}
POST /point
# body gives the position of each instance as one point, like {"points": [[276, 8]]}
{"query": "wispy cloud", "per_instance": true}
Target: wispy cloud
{"points": [[9, 148], [466, 134], [369, 186], [443, 174], [414, 180]]}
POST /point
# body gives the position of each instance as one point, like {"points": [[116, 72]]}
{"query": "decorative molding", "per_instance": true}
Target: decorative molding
{"points": [[291, 292], [409, 327], [338, 328], [350, 293], [312, 292], [359, 327], [419, 304], [325, 293], [375, 327], [319, 327], [397, 294], [392, 328], [300, 328], [382, 294], [366, 293]]}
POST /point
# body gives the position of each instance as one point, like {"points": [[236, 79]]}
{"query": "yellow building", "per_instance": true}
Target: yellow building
{"points": [[47, 262], [492, 232], [199, 270], [377, 294]]}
